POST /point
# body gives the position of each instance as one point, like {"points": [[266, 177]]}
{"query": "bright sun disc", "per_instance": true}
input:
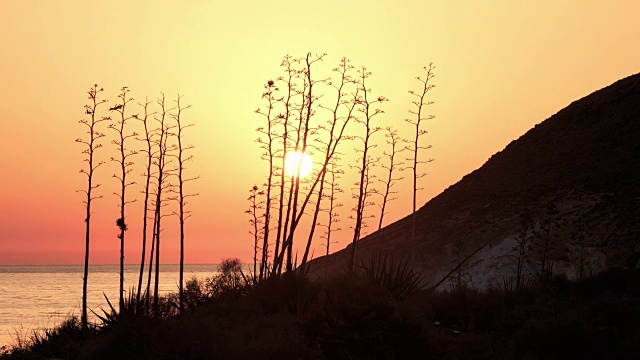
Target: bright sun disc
{"points": [[293, 160]]}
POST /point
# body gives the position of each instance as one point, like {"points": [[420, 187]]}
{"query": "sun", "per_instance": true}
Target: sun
{"points": [[295, 159]]}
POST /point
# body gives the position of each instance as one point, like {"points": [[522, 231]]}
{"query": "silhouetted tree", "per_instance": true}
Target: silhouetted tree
{"points": [[269, 154], [291, 125], [305, 112], [293, 130], [415, 146], [148, 174], [285, 117], [367, 161], [257, 231], [91, 146], [393, 139], [162, 186], [292, 109], [125, 169], [182, 158], [342, 112], [331, 210], [153, 245]]}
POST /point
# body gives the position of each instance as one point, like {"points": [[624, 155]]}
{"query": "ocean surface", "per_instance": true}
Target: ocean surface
{"points": [[37, 297]]}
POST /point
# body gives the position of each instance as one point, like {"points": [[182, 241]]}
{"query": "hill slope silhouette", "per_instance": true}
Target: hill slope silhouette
{"points": [[584, 160]]}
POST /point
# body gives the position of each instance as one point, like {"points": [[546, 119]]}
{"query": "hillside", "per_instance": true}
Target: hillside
{"points": [[585, 160]]}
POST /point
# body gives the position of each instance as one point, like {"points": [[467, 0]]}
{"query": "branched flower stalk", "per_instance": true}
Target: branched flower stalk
{"points": [[257, 231], [368, 108], [91, 145], [342, 113], [295, 211], [269, 153], [332, 210], [149, 153], [182, 157], [415, 146], [125, 168], [285, 118], [393, 140], [162, 187]]}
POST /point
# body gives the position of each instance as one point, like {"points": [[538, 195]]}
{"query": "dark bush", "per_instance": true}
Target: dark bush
{"points": [[355, 320]]}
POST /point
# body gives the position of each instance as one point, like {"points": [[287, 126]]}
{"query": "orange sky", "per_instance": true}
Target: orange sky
{"points": [[502, 67]]}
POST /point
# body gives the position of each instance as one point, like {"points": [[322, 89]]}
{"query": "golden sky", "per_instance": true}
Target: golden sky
{"points": [[502, 67]]}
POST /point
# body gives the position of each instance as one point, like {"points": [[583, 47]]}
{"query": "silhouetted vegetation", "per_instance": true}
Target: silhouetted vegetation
{"points": [[366, 160], [125, 167], [182, 157], [165, 143], [312, 114], [333, 217], [393, 140], [92, 144], [148, 153], [380, 311], [415, 145]]}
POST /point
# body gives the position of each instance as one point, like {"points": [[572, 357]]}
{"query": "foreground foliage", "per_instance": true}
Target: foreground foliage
{"points": [[359, 317]]}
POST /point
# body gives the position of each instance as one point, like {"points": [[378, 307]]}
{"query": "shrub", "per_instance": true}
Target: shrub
{"points": [[290, 292], [229, 283], [355, 320], [392, 275], [133, 309]]}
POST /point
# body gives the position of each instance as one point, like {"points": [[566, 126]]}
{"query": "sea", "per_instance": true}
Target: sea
{"points": [[33, 298]]}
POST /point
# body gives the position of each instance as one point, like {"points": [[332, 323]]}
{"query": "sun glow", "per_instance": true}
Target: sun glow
{"points": [[295, 159]]}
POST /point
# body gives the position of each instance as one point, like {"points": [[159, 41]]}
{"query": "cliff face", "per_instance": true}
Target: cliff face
{"points": [[584, 161]]}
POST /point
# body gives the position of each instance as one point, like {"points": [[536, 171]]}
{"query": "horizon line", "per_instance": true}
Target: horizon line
{"points": [[117, 264]]}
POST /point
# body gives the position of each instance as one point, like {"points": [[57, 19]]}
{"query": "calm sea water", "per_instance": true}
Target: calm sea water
{"points": [[36, 297]]}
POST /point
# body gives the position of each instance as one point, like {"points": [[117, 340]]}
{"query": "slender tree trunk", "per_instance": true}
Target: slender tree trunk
{"points": [[415, 187], [329, 225], [125, 168], [181, 256], [144, 240], [416, 147], [161, 160], [122, 226], [296, 188], [360, 205], [86, 258], [277, 262], [315, 215], [285, 237], [151, 255], [269, 153], [181, 194], [332, 205], [146, 198], [156, 308], [394, 140], [122, 266], [91, 146], [305, 116], [369, 112]]}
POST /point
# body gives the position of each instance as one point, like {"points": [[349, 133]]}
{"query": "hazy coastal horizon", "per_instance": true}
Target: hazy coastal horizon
{"points": [[34, 297]]}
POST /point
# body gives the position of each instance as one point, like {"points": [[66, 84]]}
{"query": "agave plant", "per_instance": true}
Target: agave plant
{"points": [[133, 308], [392, 275]]}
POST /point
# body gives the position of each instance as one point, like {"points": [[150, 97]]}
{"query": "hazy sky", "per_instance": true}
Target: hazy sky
{"points": [[502, 67]]}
